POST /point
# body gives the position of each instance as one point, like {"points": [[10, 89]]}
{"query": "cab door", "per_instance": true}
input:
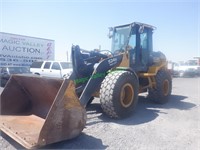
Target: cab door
{"points": [[56, 70], [143, 48], [143, 51], [46, 69]]}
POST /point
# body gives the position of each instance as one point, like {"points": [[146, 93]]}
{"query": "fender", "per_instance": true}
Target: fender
{"points": [[127, 69]]}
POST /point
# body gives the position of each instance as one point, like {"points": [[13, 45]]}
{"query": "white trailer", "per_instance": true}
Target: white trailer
{"points": [[18, 50]]}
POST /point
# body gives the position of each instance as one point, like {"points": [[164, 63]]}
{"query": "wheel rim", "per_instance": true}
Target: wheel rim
{"points": [[126, 95], [165, 87]]}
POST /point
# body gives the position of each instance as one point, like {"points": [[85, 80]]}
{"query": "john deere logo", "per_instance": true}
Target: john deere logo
{"points": [[112, 61]]}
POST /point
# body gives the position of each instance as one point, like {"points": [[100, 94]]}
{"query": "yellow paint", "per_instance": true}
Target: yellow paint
{"points": [[70, 98], [150, 75], [125, 60], [153, 70]]}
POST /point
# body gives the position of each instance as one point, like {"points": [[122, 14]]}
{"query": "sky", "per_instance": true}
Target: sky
{"points": [[85, 23]]}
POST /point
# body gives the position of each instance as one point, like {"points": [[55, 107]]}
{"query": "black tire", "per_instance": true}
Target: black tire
{"points": [[162, 92], [37, 74], [66, 76], [119, 94]]}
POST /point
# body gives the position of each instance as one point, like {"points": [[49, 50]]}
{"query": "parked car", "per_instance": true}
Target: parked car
{"points": [[58, 69], [185, 69], [6, 72]]}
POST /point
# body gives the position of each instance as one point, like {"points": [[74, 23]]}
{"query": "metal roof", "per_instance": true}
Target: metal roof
{"points": [[137, 23]]}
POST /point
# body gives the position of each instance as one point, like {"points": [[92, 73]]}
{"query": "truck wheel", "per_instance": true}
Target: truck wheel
{"points": [[162, 92], [119, 94], [66, 76]]}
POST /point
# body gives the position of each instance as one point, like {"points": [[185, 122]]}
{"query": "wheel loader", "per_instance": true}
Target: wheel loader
{"points": [[36, 111]]}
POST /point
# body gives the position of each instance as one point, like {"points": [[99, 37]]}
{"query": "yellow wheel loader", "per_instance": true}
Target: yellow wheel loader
{"points": [[36, 111]]}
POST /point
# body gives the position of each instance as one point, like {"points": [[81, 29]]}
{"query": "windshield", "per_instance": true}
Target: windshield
{"points": [[66, 65], [120, 37]]}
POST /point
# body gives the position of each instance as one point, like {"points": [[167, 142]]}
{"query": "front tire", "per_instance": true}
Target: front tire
{"points": [[162, 92], [119, 94], [66, 76]]}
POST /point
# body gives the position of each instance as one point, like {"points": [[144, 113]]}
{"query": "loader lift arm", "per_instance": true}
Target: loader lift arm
{"points": [[86, 69]]}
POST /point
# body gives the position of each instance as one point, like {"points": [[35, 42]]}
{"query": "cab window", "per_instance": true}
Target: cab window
{"points": [[143, 39], [66, 65], [47, 65], [55, 66]]}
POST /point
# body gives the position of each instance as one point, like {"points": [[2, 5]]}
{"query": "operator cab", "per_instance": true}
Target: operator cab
{"points": [[137, 38]]}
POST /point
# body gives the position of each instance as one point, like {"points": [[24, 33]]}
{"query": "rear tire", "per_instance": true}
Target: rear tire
{"points": [[119, 94], [162, 92]]}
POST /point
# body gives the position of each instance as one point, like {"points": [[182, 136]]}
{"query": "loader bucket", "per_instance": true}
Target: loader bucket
{"points": [[37, 111]]}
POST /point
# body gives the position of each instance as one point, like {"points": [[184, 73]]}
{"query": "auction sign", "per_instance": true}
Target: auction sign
{"points": [[18, 50]]}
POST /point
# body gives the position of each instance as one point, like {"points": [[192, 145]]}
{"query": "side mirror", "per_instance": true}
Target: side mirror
{"points": [[110, 34]]}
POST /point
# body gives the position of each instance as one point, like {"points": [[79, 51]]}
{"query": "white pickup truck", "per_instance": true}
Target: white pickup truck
{"points": [[58, 69]]}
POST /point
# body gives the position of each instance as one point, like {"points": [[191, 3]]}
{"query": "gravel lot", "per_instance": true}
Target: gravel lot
{"points": [[172, 126]]}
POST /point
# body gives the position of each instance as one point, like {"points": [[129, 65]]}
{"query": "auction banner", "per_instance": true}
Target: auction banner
{"points": [[18, 50]]}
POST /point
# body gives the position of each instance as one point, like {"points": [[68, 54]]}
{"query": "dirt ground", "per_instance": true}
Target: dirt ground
{"points": [[172, 126]]}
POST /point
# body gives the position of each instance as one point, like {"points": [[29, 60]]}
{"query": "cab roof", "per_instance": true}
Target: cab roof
{"points": [[137, 23]]}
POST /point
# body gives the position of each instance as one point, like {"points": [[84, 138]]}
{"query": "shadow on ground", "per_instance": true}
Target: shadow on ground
{"points": [[81, 142], [146, 110]]}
